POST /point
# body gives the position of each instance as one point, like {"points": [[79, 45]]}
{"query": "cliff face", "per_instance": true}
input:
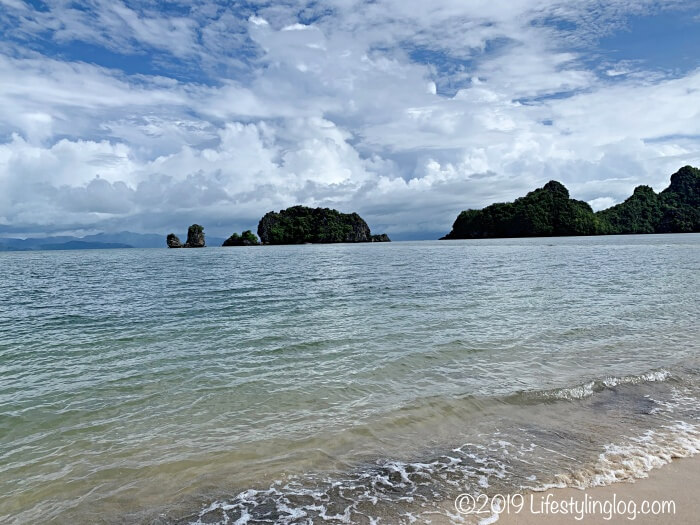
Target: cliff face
{"points": [[299, 224], [195, 237], [173, 241], [382, 237], [681, 202], [549, 211]]}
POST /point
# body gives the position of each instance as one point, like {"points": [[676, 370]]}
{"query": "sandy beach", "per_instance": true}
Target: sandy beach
{"points": [[676, 482]]}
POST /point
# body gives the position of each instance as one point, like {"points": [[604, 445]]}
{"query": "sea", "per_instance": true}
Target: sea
{"points": [[349, 383]]}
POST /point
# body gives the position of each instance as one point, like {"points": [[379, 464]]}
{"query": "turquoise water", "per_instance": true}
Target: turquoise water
{"points": [[339, 383]]}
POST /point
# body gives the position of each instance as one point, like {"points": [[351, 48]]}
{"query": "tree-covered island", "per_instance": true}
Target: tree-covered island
{"points": [[247, 238], [299, 224], [549, 211]]}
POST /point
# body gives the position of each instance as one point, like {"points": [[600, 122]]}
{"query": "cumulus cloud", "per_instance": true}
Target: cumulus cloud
{"points": [[406, 112]]}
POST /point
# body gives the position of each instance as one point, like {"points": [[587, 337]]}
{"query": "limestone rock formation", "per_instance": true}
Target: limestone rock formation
{"points": [[549, 211], [195, 237], [299, 224], [382, 237], [173, 241], [675, 210], [247, 238]]}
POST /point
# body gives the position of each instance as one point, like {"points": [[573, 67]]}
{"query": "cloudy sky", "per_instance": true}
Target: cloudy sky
{"points": [[148, 116]]}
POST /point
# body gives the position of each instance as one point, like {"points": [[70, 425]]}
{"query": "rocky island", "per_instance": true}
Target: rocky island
{"points": [[300, 224], [173, 241], [549, 211], [195, 238], [674, 210], [247, 238]]}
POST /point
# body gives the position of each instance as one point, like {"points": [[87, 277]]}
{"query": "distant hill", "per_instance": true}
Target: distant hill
{"points": [[89, 242], [549, 211], [136, 240], [122, 239], [13, 244], [80, 245]]}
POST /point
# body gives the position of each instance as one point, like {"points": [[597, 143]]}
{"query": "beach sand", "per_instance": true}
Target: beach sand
{"points": [[678, 481]]}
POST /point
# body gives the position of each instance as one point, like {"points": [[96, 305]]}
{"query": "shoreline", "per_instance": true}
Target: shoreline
{"points": [[671, 490]]}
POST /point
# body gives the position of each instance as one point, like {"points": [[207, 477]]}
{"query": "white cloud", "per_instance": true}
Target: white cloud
{"points": [[602, 203], [343, 111]]}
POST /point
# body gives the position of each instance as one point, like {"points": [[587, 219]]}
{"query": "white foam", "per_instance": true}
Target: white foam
{"points": [[647, 377], [343, 518], [588, 389], [479, 467], [574, 392], [493, 518], [245, 518], [294, 513], [635, 458], [681, 398]]}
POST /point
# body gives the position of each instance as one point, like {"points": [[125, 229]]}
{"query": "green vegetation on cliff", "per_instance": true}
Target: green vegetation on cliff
{"points": [[247, 238], [549, 211], [299, 224], [674, 210], [545, 212], [195, 238]]}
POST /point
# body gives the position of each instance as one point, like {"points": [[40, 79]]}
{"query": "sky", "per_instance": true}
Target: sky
{"points": [[149, 116]]}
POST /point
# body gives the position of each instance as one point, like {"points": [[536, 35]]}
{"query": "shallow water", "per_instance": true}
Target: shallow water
{"points": [[341, 383]]}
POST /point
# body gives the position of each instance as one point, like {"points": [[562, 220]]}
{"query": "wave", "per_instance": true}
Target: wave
{"points": [[632, 459], [531, 454], [584, 390], [399, 492], [624, 461]]}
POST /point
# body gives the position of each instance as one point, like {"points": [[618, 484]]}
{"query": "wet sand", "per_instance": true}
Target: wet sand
{"points": [[679, 482]]}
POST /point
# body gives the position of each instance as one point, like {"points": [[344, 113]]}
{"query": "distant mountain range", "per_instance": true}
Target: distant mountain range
{"points": [[98, 241]]}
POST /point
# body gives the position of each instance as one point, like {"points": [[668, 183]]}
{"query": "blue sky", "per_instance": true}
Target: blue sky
{"points": [[148, 116]]}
